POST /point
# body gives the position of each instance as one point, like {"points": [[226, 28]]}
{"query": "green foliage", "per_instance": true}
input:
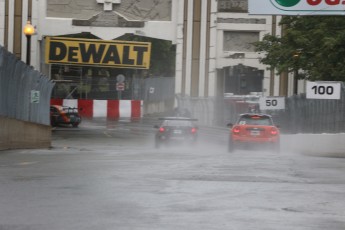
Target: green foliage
{"points": [[314, 45], [163, 54]]}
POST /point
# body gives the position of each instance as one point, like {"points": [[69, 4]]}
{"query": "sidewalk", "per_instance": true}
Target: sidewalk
{"points": [[328, 145]]}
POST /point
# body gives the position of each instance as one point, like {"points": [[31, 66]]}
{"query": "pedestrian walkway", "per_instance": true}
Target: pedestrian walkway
{"points": [[328, 145]]}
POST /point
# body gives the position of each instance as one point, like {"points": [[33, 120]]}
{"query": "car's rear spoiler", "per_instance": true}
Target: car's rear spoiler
{"points": [[177, 119]]}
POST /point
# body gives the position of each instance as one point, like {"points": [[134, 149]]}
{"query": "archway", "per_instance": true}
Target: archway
{"points": [[243, 80]]}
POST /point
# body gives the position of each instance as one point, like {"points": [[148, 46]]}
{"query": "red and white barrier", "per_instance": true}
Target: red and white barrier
{"points": [[112, 109]]}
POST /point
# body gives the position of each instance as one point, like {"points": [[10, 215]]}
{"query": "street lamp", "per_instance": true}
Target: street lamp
{"points": [[296, 57], [28, 31]]}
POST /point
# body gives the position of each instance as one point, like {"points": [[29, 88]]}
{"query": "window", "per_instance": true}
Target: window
{"points": [[240, 41], [255, 120], [240, 6]]}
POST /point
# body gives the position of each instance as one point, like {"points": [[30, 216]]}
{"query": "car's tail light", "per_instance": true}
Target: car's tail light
{"points": [[274, 131], [193, 130], [236, 130], [161, 129]]}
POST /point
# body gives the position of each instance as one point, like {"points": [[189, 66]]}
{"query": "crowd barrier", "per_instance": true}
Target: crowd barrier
{"points": [[111, 109]]}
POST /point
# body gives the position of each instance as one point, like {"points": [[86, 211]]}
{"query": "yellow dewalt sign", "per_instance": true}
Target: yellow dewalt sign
{"points": [[117, 54]]}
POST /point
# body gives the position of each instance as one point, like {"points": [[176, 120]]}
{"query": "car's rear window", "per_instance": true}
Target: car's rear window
{"points": [[177, 123], [70, 110], [255, 120]]}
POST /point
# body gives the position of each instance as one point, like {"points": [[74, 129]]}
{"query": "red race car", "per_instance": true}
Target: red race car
{"points": [[176, 129], [64, 115], [254, 130]]}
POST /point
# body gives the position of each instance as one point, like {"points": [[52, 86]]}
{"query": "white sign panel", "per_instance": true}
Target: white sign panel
{"points": [[120, 86], [323, 90], [296, 7], [272, 103], [35, 96]]}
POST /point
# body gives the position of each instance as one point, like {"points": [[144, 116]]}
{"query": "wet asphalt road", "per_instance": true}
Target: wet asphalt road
{"points": [[108, 176]]}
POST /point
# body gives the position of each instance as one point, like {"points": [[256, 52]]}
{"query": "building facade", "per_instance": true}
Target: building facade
{"points": [[213, 38]]}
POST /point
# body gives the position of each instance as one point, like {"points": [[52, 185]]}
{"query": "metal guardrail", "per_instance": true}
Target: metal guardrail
{"points": [[301, 115], [24, 92]]}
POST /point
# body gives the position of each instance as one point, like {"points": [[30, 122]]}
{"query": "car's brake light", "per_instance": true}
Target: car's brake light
{"points": [[193, 130], [274, 131], [161, 129], [236, 130]]}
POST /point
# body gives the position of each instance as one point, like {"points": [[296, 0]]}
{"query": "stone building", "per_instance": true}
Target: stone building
{"points": [[213, 38]]}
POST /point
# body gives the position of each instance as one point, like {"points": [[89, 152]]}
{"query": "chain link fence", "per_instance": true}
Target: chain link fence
{"points": [[301, 115], [304, 115], [73, 82], [154, 89], [24, 92], [203, 109]]}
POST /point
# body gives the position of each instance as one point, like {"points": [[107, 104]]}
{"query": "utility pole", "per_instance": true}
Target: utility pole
{"points": [[283, 83], [272, 71]]}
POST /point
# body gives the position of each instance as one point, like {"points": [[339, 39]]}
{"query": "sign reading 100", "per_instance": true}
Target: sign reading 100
{"points": [[323, 90]]}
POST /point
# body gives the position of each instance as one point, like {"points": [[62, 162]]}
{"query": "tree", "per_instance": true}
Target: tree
{"points": [[315, 45], [163, 54]]}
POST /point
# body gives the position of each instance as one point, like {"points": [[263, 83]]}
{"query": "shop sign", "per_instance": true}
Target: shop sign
{"points": [[92, 52]]}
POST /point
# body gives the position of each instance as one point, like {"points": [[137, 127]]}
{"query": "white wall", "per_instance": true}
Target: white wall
{"points": [[2, 22], [251, 58]]}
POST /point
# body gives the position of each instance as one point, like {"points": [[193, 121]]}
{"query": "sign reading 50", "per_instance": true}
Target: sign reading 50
{"points": [[272, 103]]}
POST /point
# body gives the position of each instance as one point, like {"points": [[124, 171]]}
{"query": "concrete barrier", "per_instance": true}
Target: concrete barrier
{"points": [[16, 134], [111, 109], [326, 144]]}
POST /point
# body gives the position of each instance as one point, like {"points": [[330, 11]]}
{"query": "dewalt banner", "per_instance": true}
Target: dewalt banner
{"points": [[92, 52]]}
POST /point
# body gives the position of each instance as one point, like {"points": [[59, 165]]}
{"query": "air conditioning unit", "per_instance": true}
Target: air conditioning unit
{"points": [[237, 56]]}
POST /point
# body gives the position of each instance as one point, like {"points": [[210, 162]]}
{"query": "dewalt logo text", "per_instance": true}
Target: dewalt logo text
{"points": [[116, 54]]}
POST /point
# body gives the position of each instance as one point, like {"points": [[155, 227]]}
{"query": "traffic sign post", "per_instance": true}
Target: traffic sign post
{"points": [[120, 86], [272, 103], [120, 78], [323, 90]]}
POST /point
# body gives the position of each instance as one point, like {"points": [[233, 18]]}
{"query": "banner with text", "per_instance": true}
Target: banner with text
{"points": [[116, 54], [296, 7]]}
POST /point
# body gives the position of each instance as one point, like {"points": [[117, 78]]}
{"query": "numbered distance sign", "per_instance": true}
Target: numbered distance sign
{"points": [[323, 90], [272, 103]]}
